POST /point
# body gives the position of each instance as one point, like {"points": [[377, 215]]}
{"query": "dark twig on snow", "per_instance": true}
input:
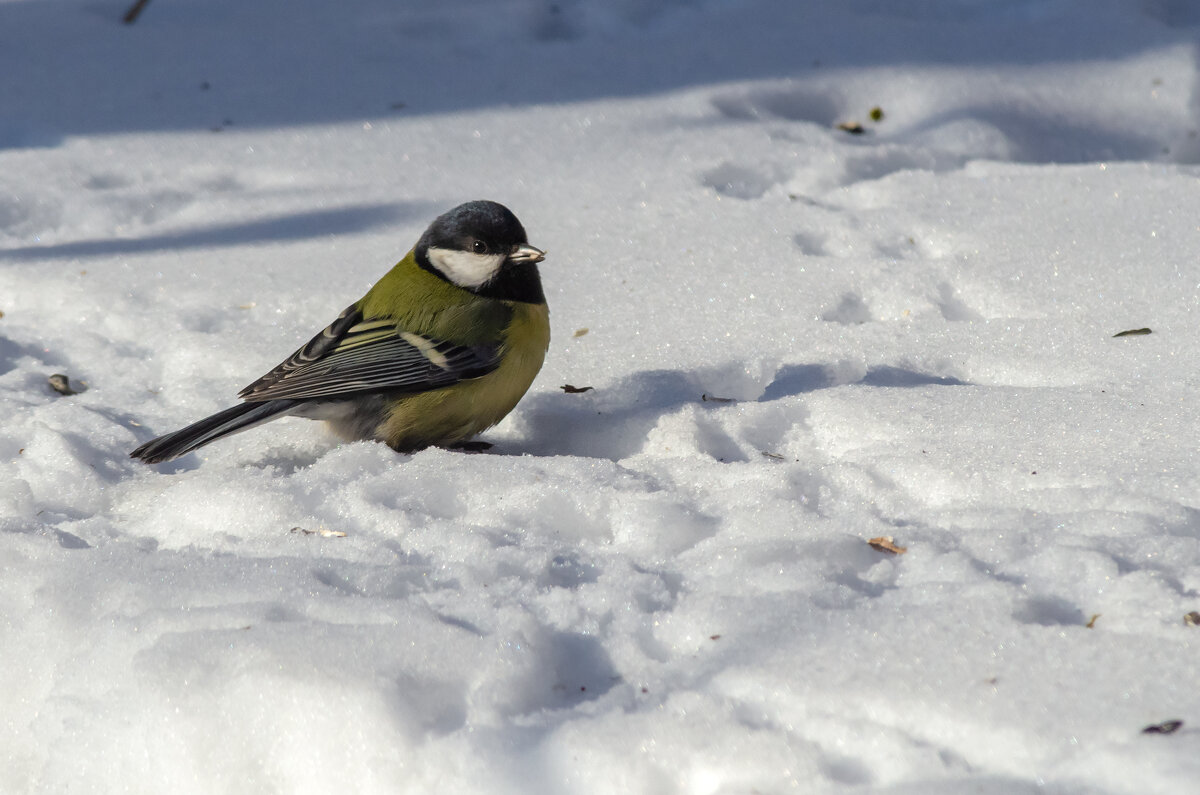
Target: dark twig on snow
{"points": [[135, 11]]}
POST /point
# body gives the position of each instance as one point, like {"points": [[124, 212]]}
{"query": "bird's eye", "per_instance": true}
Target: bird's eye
{"points": [[479, 247]]}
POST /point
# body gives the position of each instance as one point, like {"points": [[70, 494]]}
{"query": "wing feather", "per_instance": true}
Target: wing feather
{"points": [[353, 355]]}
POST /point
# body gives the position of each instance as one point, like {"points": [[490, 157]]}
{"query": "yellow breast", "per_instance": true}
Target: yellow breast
{"points": [[455, 413]]}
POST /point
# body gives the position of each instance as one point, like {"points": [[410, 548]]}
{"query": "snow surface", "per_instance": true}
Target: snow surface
{"points": [[640, 589]]}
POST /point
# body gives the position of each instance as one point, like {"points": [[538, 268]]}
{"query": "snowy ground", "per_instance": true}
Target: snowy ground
{"points": [[640, 589]]}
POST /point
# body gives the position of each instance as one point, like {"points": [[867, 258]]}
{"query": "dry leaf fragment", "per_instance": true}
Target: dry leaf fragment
{"points": [[852, 127], [887, 544], [776, 456], [1091, 624], [1192, 619], [580, 332], [62, 385], [321, 531], [570, 389], [1166, 727], [1133, 332]]}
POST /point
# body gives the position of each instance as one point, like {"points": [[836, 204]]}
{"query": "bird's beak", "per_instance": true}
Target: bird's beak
{"points": [[526, 253]]}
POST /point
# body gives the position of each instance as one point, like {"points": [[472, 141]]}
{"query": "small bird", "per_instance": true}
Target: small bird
{"points": [[441, 348]]}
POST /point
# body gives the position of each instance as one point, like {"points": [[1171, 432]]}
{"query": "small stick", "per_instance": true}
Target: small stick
{"points": [[135, 11]]}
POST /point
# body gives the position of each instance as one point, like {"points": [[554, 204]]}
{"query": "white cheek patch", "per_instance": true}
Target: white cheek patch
{"points": [[465, 268]]}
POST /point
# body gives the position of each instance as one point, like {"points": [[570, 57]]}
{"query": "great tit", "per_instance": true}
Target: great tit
{"points": [[441, 348]]}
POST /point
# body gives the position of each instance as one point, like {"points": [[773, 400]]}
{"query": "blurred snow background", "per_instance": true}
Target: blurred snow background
{"points": [[640, 589]]}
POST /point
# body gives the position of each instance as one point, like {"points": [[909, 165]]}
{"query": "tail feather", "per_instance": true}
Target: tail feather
{"points": [[232, 420]]}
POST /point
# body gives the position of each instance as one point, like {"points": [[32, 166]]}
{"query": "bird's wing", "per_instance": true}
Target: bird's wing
{"points": [[353, 355]]}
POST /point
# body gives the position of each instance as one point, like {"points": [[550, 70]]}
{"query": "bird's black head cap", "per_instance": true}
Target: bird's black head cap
{"points": [[480, 221]]}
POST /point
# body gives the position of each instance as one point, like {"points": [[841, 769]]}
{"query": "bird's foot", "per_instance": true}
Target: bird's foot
{"points": [[471, 446]]}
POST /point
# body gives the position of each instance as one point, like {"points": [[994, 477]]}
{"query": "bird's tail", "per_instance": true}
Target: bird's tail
{"points": [[223, 423]]}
